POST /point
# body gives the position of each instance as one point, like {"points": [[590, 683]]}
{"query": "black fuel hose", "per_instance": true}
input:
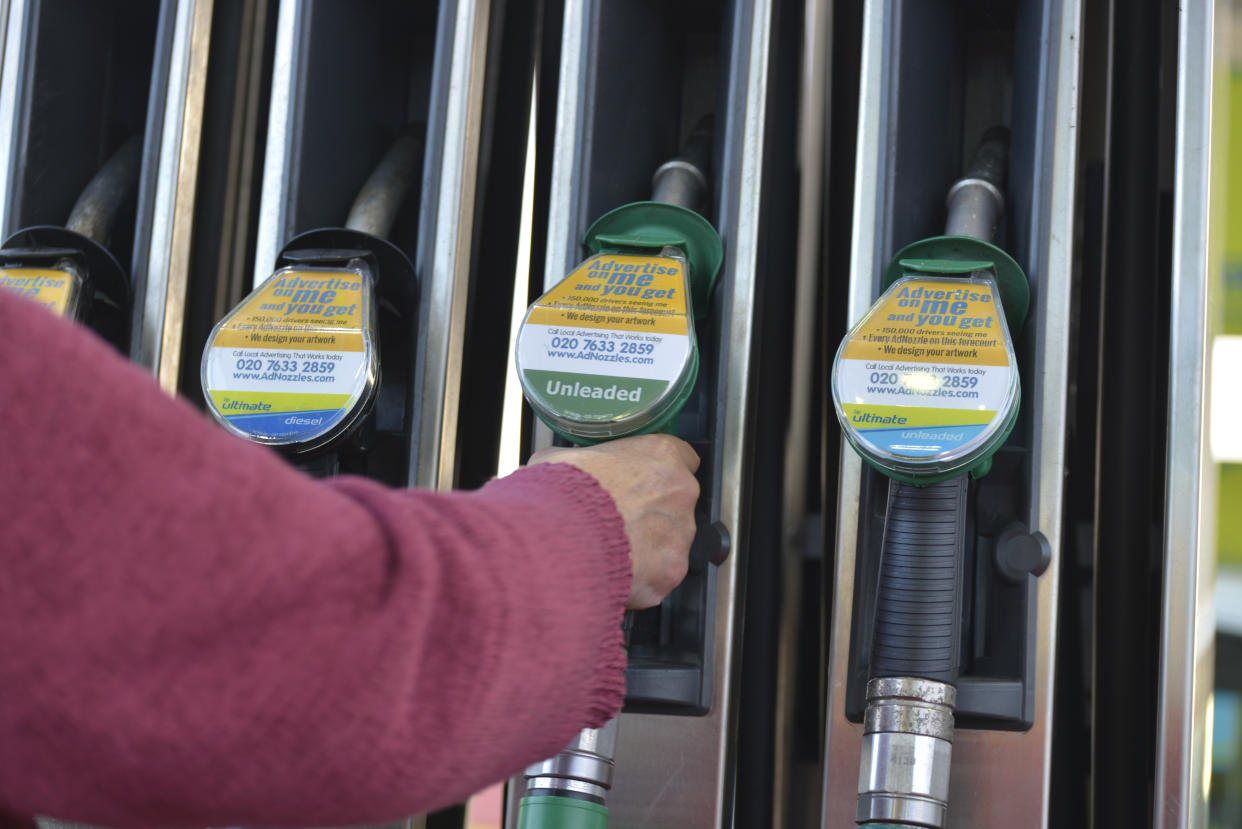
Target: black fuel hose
{"points": [[918, 617], [97, 206]]}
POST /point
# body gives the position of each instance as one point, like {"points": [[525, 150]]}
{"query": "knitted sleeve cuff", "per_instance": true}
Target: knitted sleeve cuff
{"points": [[610, 577]]}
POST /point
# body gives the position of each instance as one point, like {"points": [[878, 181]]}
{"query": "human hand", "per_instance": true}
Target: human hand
{"points": [[651, 480]]}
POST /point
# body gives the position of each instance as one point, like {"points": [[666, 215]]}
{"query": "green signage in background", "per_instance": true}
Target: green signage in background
{"points": [[1229, 521]]}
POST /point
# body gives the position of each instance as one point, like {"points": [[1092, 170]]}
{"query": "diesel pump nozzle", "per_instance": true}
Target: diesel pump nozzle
{"points": [[70, 269], [296, 364], [926, 389], [610, 351]]}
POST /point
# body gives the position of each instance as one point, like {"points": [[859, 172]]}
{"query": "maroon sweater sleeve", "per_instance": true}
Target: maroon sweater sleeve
{"points": [[192, 633]]}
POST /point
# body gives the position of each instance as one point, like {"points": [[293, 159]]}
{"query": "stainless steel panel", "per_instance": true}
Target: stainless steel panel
{"points": [[15, 15], [670, 770], [678, 771], [241, 175], [274, 208], [814, 149], [1187, 639], [985, 762], [566, 212], [445, 238], [162, 264], [843, 739], [566, 206]]}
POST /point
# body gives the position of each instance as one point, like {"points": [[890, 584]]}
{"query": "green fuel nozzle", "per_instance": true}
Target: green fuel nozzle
{"points": [[926, 389], [610, 350], [926, 385]]}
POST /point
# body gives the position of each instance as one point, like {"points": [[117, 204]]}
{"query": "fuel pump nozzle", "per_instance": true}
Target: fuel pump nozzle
{"points": [[633, 303], [296, 365], [926, 388]]}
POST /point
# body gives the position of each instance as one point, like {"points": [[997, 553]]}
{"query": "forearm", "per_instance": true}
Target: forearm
{"points": [[194, 633]]}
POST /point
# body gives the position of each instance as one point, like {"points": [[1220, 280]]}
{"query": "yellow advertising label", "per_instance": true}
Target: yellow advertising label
{"points": [[619, 292], [610, 345], [53, 289], [934, 321], [927, 377], [295, 363], [312, 310]]}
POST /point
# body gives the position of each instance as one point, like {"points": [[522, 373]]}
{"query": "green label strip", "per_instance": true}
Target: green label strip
{"points": [[594, 396], [258, 402], [868, 416]]}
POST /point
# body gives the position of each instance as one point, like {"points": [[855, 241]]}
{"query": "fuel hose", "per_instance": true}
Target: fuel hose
{"points": [[96, 209], [926, 389]]}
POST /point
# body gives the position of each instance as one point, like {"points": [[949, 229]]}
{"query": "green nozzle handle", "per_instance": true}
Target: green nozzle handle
{"points": [[552, 812], [649, 226]]}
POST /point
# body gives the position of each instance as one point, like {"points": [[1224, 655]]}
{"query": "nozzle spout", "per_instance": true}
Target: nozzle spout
{"points": [[683, 180], [977, 201]]}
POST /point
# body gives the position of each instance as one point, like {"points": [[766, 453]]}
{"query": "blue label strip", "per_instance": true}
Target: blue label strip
{"points": [[922, 441], [285, 425]]}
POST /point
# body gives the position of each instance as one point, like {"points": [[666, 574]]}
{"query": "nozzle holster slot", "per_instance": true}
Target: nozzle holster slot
{"points": [[996, 684]]}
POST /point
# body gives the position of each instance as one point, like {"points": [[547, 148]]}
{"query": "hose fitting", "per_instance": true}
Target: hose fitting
{"points": [[906, 752], [582, 770]]}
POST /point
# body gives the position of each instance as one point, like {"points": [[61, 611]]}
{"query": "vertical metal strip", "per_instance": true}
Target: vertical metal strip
{"points": [[1188, 619], [158, 345], [843, 739], [1052, 257], [991, 761], [12, 69], [569, 146], [446, 280], [273, 204], [814, 150], [243, 136], [569, 150], [678, 771], [737, 415]]}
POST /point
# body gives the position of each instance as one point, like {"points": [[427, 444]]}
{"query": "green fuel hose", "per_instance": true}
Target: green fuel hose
{"points": [[559, 812], [918, 618]]}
